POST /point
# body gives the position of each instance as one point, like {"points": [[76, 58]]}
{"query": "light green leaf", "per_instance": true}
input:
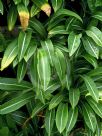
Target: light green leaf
{"points": [[74, 95], [90, 46], [97, 107], [1, 7], [55, 101], [11, 84], [49, 49], [95, 34], [91, 4], [73, 42], [57, 4], [26, 2], [91, 87], [34, 10], [21, 70], [15, 103], [89, 116], [11, 17], [23, 43], [98, 15], [17, 1], [72, 118], [61, 117], [43, 68], [9, 54], [49, 121]]}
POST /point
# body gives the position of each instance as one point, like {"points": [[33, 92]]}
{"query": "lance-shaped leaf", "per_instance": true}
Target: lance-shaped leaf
{"points": [[98, 15], [57, 4], [24, 15], [16, 103], [49, 121], [63, 13], [17, 1], [34, 10], [74, 95], [39, 106], [9, 54], [43, 68], [97, 107], [61, 117], [60, 64], [23, 43], [26, 2], [98, 127], [73, 42], [11, 17], [91, 87], [21, 70], [49, 49], [43, 5], [11, 84], [89, 116], [95, 34], [1, 7], [55, 101], [90, 46], [72, 118]]}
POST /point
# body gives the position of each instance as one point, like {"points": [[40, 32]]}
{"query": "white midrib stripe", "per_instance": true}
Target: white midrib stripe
{"points": [[97, 16], [73, 97], [14, 104], [69, 23], [92, 48], [73, 45], [61, 118], [21, 71], [56, 3], [59, 66], [37, 111], [22, 46], [56, 100], [70, 120]]}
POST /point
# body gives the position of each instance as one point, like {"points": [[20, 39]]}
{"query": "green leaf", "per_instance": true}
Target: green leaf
{"points": [[60, 64], [30, 51], [64, 12], [89, 116], [43, 68], [9, 54], [11, 17], [74, 95], [91, 87], [49, 121], [91, 60], [39, 106], [97, 107], [1, 7], [11, 84], [34, 10], [90, 46], [98, 15], [4, 131], [73, 42], [49, 49], [95, 72], [72, 118], [69, 22], [91, 4], [95, 34], [23, 43], [55, 101], [21, 70], [57, 4], [61, 117], [17, 1], [98, 127], [98, 3], [26, 2], [15, 103]]}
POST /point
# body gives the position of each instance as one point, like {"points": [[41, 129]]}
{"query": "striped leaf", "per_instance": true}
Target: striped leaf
{"points": [[26, 2], [21, 70], [11, 84], [34, 10], [95, 34], [89, 116], [98, 15], [97, 107], [15, 103], [23, 43], [72, 118], [57, 4], [91, 87], [49, 49], [9, 54], [74, 95], [73, 42], [90, 46], [1, 7], [61, 117], [11, 17], [43, 68], [49, 121], [55, 101]]}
